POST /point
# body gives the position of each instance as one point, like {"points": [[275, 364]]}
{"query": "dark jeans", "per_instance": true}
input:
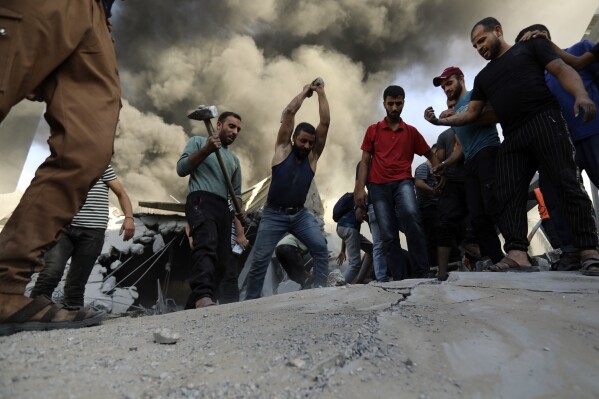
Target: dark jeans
{"points": [[396, 208], [292, 261], [542, 143], [209, 221], [452, 209], [428, 214], [83, 246], [479, 182], [273, 226]]}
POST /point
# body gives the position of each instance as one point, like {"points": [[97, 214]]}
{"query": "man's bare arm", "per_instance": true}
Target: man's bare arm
{"points": [[325, 118], [359, 192], [570, 80], [288, 118], [576, 62], [196, 158], [128, 226], [471, 115]]}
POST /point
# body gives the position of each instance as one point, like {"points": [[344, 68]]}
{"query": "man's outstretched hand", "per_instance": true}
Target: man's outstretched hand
{"points": [[429, 115]]}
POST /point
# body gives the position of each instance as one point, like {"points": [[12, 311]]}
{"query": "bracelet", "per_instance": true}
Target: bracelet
{"points": [[129, 217]]}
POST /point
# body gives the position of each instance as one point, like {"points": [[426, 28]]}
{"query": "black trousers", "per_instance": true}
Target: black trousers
{"points": [[479, 182], [452, 209], [428, 215], [543, 142], [209, 221]]}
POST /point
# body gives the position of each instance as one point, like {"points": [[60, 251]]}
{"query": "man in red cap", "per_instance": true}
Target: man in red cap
{"points": [[477, 145]]}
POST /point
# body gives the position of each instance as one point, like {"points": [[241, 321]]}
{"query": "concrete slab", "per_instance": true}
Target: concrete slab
{"points": [[478, 335]]}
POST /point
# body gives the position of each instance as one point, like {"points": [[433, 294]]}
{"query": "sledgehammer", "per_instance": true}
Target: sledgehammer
{"points": [[205, 114], [316, 82]]}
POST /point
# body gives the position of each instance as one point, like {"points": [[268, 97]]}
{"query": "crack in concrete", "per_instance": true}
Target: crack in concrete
{"points": [[528, 289]]}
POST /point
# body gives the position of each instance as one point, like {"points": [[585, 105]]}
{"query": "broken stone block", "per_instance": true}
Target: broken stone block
{"points": [[145, 240], [115, 265], [137, 249], [158, 244], [108, 285], [299, 363], [165, 336], [335, 278]]}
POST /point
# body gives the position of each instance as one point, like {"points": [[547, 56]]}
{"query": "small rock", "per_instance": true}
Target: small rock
{"points": [[299, 363], [165, 336]]}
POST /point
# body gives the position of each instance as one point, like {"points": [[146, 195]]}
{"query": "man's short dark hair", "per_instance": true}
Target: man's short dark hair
{"points": [[531, 28], [306, 127], [394, 91], [227, 114], [488, 24]]}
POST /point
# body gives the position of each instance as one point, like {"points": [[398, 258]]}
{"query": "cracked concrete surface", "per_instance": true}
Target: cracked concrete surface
{"points": [[478, 335]]}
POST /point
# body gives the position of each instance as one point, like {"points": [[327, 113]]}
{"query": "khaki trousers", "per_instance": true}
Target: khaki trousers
{"points": [[62, 51]]}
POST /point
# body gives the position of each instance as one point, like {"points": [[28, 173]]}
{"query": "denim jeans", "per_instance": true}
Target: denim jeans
{"points": [[83, 246], [273, 226], [354, 242], [396, 207], [380, 263]]}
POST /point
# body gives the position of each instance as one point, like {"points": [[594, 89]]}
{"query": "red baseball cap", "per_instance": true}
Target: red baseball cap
{"points": [[447, 73]]}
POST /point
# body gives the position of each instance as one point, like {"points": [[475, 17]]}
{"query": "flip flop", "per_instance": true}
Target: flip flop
{"points": [[509, 265], [21, 319], [588, 263]]}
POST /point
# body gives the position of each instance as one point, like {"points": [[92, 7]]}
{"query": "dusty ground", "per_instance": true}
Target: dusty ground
{"points": [[479, 335]]}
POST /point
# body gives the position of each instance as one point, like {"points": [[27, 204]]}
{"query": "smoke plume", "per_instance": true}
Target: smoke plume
{"points": [[253, 57]]}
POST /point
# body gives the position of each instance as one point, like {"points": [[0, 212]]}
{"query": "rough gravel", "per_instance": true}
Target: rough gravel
{"points": [[501, 335]]}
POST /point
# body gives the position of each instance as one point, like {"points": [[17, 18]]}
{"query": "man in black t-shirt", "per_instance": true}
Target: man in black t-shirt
{"points": [[535, 135]]}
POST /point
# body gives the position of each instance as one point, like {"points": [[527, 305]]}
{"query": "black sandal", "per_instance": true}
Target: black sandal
{"points": [[21, 319]]}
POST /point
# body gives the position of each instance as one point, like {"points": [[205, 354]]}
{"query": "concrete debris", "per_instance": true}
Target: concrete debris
{"points": [[165, 336], [115, 265], [335, 279], [299, 363], [541, 262], [108, 285], [476, 335], [158, 243]]}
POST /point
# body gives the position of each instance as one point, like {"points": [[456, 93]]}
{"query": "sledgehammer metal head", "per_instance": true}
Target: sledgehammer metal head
{"points": [[203, 113]]}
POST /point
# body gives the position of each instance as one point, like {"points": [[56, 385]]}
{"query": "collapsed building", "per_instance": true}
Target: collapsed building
{"points": [[149, 272]]}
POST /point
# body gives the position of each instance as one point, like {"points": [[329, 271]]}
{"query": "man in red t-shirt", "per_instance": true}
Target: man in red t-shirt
{"points": [[389, 147]]}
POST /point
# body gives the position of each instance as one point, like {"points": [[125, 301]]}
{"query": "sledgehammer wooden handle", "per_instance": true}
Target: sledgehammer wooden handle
{"points": [[230, 189]]}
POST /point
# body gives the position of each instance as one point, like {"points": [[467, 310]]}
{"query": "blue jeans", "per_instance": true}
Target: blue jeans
{"points": [[273, 226], [587, 157], [354, 242], [396, 208], [83, 246], [380, 263]]}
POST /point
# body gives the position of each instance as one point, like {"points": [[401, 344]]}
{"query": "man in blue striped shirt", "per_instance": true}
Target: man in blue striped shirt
{"points": [[82, 242]]}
